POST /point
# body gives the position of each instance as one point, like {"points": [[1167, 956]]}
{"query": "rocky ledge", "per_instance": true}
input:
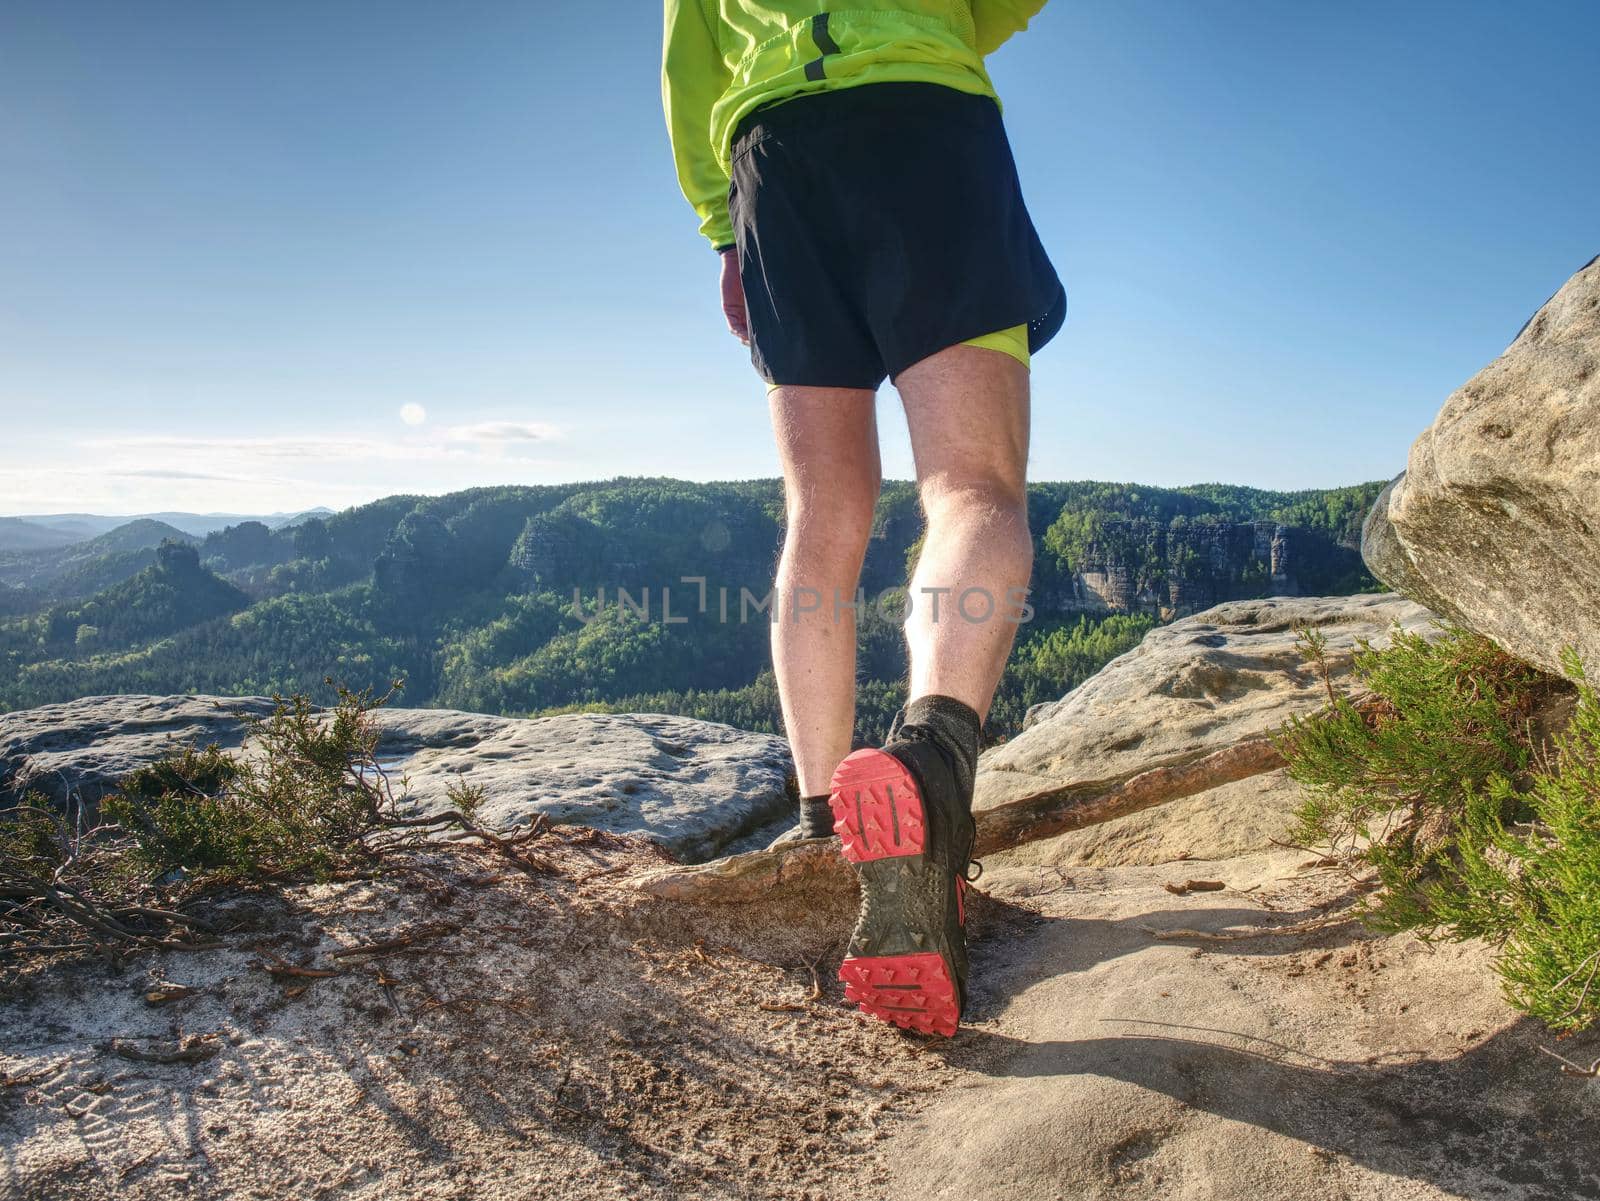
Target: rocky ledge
{"points": [[693, 786]]}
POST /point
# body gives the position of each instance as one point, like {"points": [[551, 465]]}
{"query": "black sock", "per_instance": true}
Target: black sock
{"points": [[816, 819], [955, 729]]}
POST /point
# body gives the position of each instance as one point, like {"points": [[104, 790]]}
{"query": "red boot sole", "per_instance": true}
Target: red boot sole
{"points": [[877, 810], [915, 992], [878, 814]]}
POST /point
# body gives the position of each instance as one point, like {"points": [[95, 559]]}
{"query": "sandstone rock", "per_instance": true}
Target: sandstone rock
{"points": [[82, 748], [692, 785], [1185, 718], [1230, 819], [1189, 690], [1386, 558], [1496, 521]]}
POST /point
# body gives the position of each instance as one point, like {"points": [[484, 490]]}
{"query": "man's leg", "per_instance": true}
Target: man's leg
{"points": [[967, 409], [828, 446], [904, 811]]}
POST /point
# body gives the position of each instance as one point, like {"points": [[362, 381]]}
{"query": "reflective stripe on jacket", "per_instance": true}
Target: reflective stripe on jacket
{"points": [[722, 58]]}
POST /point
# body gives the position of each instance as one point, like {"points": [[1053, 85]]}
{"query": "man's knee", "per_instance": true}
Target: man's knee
{"points": [[832, 518], [985, 496]]}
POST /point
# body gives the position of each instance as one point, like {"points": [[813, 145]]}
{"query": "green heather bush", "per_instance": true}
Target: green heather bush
{"points": [[308, 801], [31, 836], [1388, 775], [57, 879], [1535, 884], [298, 806], [1435, 779]]}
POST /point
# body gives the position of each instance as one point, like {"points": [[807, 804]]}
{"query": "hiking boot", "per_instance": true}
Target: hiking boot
{"points": [[904, 814]]}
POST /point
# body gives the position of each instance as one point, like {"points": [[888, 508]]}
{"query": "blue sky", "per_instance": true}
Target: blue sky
{"points": [[238, 239]]}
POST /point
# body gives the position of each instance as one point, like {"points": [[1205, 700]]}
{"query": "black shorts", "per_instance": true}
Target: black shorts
{"points": [[877, 225]]}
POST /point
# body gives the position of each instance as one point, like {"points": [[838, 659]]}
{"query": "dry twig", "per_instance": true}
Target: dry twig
{"points": [[1189, 886], [282, 967], [1306, 927], [1568, 1068], [191, 1048]]}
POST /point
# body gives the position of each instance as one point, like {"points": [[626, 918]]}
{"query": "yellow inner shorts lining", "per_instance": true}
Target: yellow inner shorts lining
{"points": [[1013, 341]]}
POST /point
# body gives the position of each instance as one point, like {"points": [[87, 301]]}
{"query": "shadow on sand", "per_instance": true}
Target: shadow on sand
{"points": [[1496, 1120]]}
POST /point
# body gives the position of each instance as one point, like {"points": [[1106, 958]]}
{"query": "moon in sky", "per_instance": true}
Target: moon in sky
{"points": [[413, 414]]}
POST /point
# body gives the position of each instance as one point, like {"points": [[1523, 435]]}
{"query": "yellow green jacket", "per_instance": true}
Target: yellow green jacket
{"points": [[722, 58]]}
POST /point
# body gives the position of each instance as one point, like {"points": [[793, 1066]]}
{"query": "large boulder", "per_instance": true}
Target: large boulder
{"points": [[692, 785], [1184, 719], [1496, 521]]}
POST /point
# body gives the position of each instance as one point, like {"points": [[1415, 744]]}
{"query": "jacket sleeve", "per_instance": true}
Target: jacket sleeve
{"points": [[693, 78], [997, 20]]}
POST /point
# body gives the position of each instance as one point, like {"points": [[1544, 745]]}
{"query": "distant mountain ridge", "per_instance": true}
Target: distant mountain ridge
{"points": [[84, 567], [43, 531], [20, 533]]}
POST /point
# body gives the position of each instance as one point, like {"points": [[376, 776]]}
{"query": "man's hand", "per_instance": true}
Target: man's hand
{"points": [[733, 296]]}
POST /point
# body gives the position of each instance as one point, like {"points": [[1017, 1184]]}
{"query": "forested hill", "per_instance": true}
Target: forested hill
{"points": [[79, 568], [469, 596]]}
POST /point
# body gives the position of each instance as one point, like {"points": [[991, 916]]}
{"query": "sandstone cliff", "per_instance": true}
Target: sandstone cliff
{"points": [[1138, 565]]}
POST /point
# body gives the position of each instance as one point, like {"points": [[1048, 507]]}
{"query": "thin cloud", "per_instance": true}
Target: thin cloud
{"points": [[297, 450], [486, 441], [264, 448], [503, 431], [157, 473], [241, 473]]}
